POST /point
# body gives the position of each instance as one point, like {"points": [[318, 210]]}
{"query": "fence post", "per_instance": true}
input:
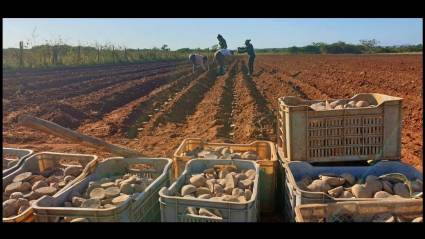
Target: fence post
{"points": [[113, 55], [21, 53], [138, 53], [79, 55], [98, 55]]}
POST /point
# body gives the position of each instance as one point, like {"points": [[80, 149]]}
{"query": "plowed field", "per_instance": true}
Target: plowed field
{"points": [[152, 107]]}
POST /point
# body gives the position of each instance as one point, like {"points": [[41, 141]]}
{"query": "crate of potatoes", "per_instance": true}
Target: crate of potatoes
{"points": [[45, 173], [116, 190], [367, 126], [213, 190], [387, 211], [385, 180], [13, 158], [262, 152]]}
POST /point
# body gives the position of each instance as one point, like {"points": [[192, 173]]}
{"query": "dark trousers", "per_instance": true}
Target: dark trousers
{"points": [[251, 64]]}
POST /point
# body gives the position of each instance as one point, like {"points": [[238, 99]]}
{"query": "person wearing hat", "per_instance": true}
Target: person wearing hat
{"points": [[221, 42], [251, 53]]}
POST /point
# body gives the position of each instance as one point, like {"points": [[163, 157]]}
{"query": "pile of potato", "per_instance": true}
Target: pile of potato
{"points": [[221, 152], [109, 192], [221, 183], [346, 186], [339, 104], [27, 187]]}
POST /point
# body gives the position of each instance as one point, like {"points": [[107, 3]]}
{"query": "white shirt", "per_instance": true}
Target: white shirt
{"points": [[225, 52]]}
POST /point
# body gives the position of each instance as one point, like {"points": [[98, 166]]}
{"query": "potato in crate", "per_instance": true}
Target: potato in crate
{"points": [[261, 151], [115, 190], [213, 190], [45, 173]]}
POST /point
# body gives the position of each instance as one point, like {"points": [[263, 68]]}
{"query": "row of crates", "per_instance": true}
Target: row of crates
{"points": [[305, 137]]}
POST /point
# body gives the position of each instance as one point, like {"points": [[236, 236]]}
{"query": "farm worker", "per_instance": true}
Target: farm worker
{"points": [[251, 53], [198, 60], [221, 42], [220, 57]]}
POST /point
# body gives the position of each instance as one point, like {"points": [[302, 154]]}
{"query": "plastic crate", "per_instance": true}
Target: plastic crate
{"points": [[22, 154], [342, 134], [39, 162], [143, 207], [295, 171], [358, 211], [173, 208], [266, 150]]}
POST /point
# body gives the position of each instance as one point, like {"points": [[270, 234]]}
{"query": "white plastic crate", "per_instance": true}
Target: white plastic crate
{"points": [[22, 154], [173, 208], [296, 170], [144, 207], [38, 163], [358, 211], [352, 134]]}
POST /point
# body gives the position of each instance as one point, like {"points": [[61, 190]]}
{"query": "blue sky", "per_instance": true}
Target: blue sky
{"points": [[193, 33]]}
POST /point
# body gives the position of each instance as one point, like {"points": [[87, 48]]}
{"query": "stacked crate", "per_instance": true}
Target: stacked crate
{"points": [[336, 137]]}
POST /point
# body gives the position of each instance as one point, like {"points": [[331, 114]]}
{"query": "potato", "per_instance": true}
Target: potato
{"points": [[383, 217], [32, 195], [318, 186], [418, 219], [346, 194], [77, 201], [204, 196], [373, 186], [336, 191], [209, 171], [362, 103], [23, 177], [73, 170], [16, 195], [35, 178], [202, 190], [401, 189], [112, 192], [218, 189], [250, 174], [206, 212], [335, 103], [387, 186], [91, 203], [188, 189], [245, 184], [13, 187], [382, 194], [39, 184], [229, 198], [237, 192], [22, 202], [230, 181], [332, 181], [197, 180], [10, 208], [338, 107], [360, 191], [318, 106], [349, 178], [192, 210], [240, 176], [247, 194], [126, 188], [46, 191], [120, 199], [228, 190]]}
